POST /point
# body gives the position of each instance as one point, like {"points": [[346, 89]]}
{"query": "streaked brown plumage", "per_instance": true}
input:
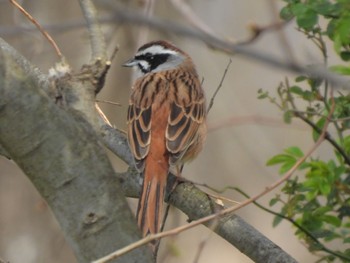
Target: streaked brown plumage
{"points": [[166, 122]]}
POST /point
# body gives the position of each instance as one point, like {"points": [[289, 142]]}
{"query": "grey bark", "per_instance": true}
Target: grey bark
{"points": [[60, 153]]}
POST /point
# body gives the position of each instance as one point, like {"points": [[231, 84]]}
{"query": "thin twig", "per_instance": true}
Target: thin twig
{"points": [[219, 197], [109, 102], [301, 228], [204, 242], [102, 115], [98, 45], [224, 189], [257, 31], [219, 87], [114, 53], [125, 15], [327, 136], [41, 29], [180, 229]]}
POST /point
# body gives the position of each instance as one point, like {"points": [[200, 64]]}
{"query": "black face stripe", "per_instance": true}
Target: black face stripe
{"points": [[153, 60]]}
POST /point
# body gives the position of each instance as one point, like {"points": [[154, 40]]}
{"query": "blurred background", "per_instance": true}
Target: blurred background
{"points": [[244, 132]]}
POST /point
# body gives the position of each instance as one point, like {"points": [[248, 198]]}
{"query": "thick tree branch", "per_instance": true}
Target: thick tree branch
{"points": [[230, 227], [187, 198], [60, 154]]}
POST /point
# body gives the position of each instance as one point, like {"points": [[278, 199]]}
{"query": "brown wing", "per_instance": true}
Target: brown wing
{"points": [[187, 115], [139, 123]]}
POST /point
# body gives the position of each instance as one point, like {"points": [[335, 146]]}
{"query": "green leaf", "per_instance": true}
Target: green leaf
{"points": [[296, 90], [262, 94], [333, 220], [300, 78], [273, 201], [286, 13], [308, 95], [343, 29], [306, 17], [286, 167], [331, 28], [325, 188], [287, 116], [340, 69], [337, 45], [311, 195], [280, 158], [325, 8], [321, 210], [345, 55], [277, 220], [295, 151]]}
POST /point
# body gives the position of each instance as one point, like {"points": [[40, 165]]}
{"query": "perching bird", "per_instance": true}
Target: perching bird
{"points": [[166, 122]]}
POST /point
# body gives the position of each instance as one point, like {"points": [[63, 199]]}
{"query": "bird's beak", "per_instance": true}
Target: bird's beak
{"points": [[130, 63]]}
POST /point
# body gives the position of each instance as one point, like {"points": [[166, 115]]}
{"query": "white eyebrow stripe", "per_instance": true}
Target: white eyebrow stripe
{"points": [[157, 50]]}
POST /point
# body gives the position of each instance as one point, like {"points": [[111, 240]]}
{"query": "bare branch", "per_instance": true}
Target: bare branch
{"points": [[39, 27], [98, 44], [219, 87], [109, 102], [125, 15]]}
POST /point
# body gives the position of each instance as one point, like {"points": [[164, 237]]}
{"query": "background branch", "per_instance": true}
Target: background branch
{"points": [[122, 14], [97, 39]]}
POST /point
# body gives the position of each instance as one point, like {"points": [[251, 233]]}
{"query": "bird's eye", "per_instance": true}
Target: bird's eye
{"points": [[151, 57]]}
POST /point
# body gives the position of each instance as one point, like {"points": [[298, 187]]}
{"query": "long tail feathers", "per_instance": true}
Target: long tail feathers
{"points": [[151, 203]]}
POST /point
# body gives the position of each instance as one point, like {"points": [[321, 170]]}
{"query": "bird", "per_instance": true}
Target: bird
{"points": [[166, 122]]}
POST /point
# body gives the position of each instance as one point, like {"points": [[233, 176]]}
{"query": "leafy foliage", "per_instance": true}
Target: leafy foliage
{"points": [[317, 200]]}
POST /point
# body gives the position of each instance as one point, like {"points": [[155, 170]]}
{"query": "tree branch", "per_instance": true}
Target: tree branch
{"points": [[123, 14], [97, 39], [61, 155], [187, 198], [230, 227]]}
